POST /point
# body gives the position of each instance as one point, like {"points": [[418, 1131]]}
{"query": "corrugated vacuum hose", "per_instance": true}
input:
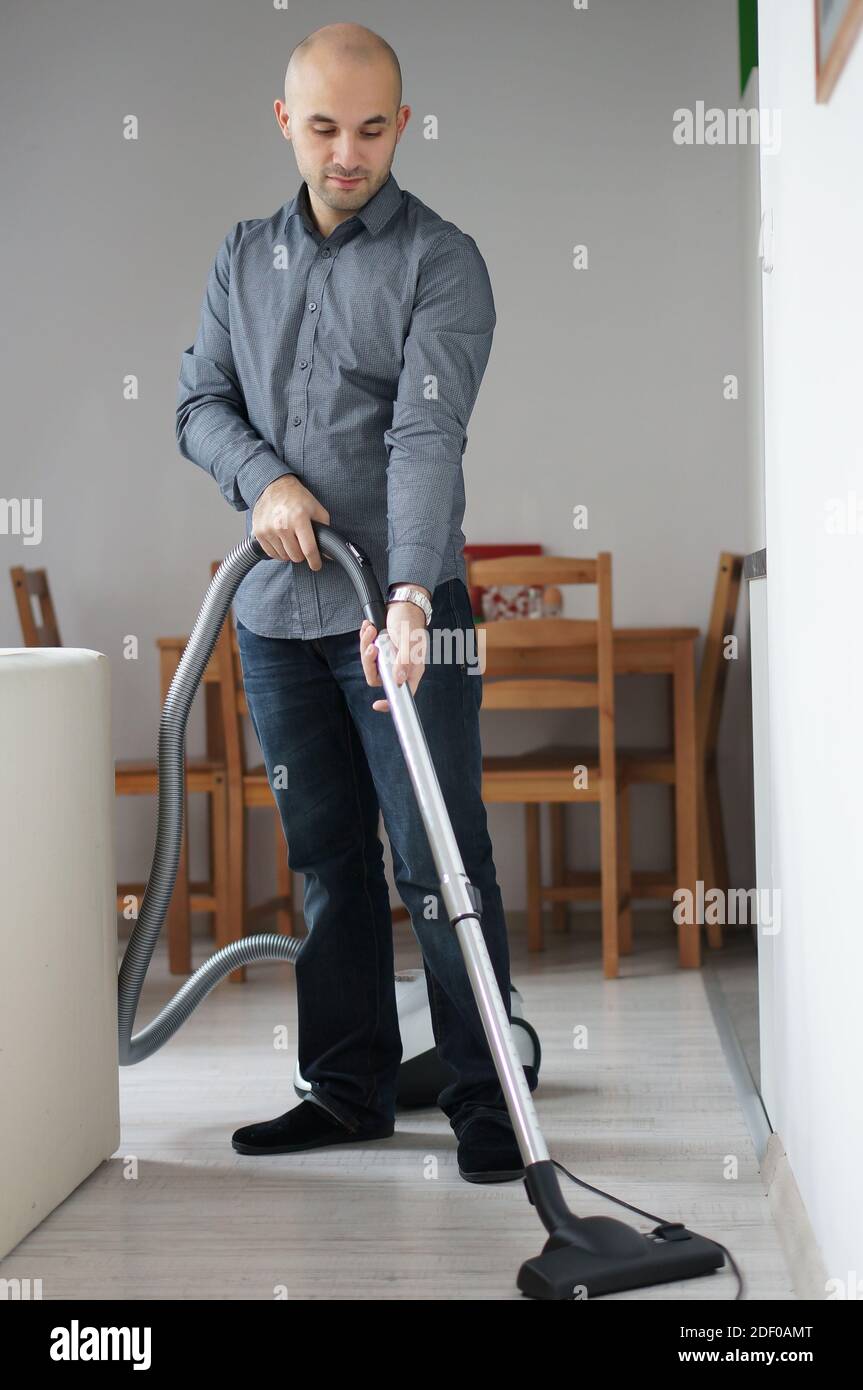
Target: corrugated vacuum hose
{"points": [[265, 946]]}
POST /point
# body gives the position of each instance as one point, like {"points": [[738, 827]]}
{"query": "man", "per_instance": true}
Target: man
{"points": [[340, 351]]}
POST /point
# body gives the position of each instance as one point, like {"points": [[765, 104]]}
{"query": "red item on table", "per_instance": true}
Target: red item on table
{"points": [[493, 552]]}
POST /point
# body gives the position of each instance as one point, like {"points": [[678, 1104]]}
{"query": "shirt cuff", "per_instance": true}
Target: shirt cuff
{"points": [[254, 476], [413, 564]]}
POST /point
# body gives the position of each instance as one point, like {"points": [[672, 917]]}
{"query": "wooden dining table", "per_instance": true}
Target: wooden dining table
{"points": [[638, 651]]}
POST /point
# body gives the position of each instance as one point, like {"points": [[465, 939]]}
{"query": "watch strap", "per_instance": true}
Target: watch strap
{"points": [[405, 593]]}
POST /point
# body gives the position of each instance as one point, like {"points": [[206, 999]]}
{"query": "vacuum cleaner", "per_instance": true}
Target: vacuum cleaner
{"points": [[583, 1257]]}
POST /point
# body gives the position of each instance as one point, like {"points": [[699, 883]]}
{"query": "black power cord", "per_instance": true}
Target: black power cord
{"points": [[661, 1225]]}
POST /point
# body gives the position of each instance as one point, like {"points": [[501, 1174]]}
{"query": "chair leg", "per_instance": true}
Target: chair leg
{"points": [[624, 879], [237, 872], [215, 743], [534, 877], [712, 836], [213, 849], [284, 880], [717, 828], [608, 863], [557, 811], [178, 916], [218, 801], [706, 865]]}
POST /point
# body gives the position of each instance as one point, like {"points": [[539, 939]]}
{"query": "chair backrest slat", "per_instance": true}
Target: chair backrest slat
{"points": [[28, 585], [532, 569], [232, 695], [714, 665]]}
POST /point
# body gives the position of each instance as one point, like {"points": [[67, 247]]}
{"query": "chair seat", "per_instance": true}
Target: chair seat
{"points": [[541, 775], [256, 787], [139, 776], [646, 765], [556, 761], [255, 774], [552, 757], [134, 765]]}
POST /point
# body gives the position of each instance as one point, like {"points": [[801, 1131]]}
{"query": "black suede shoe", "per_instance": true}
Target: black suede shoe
{"points": [[487, 1149], [307, 1126]]}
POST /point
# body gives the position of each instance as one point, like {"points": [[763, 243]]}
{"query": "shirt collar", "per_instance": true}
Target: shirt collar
{"points": [[374, 214]]}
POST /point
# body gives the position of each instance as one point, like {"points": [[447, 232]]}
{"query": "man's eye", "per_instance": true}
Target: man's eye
{"points": [[367, 134]]}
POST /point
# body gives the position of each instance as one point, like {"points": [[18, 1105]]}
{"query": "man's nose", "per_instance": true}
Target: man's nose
{"points": [[346, 158]]}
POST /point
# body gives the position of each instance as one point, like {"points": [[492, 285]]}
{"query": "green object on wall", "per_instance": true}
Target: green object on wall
{"points": [[747, 11]]}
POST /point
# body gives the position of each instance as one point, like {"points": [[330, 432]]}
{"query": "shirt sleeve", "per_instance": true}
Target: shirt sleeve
{"points": [[212, 428], [445, 356]]}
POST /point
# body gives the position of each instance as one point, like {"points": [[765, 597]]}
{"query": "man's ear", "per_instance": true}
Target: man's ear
{"points": [[284, 125], [407, 115]]}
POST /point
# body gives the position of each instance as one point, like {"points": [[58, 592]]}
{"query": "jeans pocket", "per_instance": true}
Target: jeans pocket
{"points": [[461, 597]]}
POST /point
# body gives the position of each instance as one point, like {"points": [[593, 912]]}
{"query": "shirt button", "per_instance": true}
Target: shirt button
{"points": [[325, 252], [296, 419], [313, 306], [304, 364]]}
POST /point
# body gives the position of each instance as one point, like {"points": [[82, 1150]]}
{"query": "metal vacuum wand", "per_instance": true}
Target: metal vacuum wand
{"points": [[584, 1256]]}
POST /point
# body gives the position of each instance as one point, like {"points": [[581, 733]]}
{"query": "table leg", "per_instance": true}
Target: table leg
{"points": [[686, 795], [557, 816], [534, 876]]}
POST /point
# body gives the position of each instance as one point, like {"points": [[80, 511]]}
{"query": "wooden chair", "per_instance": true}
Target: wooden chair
{"points": [[547, 774], [657, 766], [247, 787], [139, 777]]}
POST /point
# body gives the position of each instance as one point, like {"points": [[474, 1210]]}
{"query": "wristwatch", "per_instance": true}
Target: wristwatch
{"points": [[405, 593]]}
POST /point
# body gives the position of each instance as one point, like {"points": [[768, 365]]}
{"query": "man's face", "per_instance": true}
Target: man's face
{"points": [[342, 152]]}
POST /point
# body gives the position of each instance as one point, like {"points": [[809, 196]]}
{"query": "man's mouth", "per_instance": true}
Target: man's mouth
{"points": [[344, 183]]}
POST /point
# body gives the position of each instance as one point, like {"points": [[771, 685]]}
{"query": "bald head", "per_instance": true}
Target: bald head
{"points": [[341, 44], [343, 115]]}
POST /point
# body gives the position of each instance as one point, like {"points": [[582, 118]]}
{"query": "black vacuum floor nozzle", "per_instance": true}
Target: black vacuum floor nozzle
{"points": [[597, 1255]]}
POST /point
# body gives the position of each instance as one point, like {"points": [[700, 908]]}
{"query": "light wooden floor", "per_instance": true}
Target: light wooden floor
{"points": [[646, 1111]]}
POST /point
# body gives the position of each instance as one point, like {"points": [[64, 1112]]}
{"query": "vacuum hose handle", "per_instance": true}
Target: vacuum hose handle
{"points": [[356, 564]]}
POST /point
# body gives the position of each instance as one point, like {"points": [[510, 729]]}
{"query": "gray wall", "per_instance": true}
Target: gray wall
{"points": [[603, 387]]}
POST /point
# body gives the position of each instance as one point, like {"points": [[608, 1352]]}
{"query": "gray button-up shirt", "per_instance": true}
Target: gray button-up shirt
{"points": [[353, 361]]}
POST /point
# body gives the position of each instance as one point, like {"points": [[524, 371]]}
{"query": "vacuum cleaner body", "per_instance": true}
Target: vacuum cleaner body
{"points": [[422, 1074]]}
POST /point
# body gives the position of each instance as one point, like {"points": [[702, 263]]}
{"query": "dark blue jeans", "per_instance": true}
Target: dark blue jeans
{"points": [[334, 764]]}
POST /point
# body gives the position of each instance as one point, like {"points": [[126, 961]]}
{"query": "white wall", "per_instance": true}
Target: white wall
{"points": [[753, 381], [813, 303], [603, 388]]}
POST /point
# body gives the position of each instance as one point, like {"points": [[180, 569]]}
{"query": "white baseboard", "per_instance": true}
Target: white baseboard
{"points": [[805, 1262]]}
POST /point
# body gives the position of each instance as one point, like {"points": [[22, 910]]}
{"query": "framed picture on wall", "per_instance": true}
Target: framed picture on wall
{"points": [[837, 24]]}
